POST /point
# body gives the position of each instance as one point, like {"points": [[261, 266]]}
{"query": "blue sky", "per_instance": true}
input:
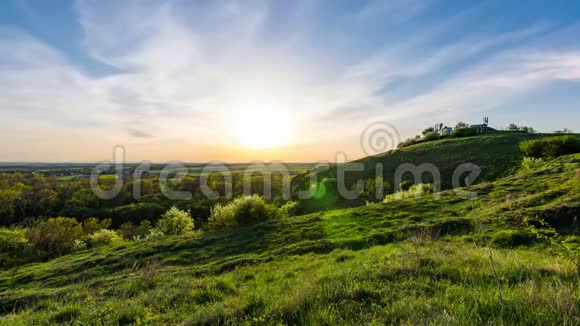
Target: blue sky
{"points": [[290, 80]]}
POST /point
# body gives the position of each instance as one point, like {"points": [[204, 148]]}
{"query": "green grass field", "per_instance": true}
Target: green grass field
{"points": [[415, 261], [496, 153]]}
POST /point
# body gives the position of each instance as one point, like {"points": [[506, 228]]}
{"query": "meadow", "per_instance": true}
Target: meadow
{"points": [[437, 259]]}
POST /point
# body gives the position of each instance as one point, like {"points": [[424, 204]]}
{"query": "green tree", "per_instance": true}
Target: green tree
{"points": [[55, 236], [564, 131], [15, 249], [8, 198], [375, 189]]}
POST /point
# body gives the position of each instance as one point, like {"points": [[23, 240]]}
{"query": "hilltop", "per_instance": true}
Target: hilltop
{"points": [[411, 261], [496, 153]]}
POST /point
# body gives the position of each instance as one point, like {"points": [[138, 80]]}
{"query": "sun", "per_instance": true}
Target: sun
{"points": [[262, 128]]}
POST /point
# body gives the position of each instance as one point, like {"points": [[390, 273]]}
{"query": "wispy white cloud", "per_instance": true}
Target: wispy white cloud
{"points": [[491, 84], [185, 72]]}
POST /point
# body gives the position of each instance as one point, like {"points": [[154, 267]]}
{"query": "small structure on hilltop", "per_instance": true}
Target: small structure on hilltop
{"points": [[480, 129], [446, 131], [443, 131], [477, 129]]}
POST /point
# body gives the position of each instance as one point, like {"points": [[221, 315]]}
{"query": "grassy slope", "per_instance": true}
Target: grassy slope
{"points": [[496, 153], [412, 261]]}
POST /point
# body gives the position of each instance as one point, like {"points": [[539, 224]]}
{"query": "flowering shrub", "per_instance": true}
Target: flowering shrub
{"points": [[243, 211], [104, 237], [175, 222]]}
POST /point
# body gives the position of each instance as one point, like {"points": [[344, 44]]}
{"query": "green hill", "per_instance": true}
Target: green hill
{"points": [[497, 154], [414, 261]]}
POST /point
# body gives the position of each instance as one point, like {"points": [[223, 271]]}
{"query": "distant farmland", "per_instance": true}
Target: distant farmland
{"points": [[69, 171]]}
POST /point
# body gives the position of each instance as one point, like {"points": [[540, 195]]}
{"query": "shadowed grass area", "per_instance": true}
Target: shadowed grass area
{"points": [[412, 261]]}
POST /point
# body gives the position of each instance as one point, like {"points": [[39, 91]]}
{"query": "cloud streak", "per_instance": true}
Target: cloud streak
{"points": [[139, 133]]}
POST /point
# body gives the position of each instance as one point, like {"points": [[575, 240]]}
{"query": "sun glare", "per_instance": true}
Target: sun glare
{"points": [[262, 128]]}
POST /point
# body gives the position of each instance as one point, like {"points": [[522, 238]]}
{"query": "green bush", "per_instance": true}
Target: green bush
{"points": [[375, 189], [243, 210], [290, 208], [55, 236], [104, 237], [464, 132], [79, 244], [405, 185], [550, 147], [15, 249], [93, 224], [130, 231], [153, 234], [431, 136], [175, 222], [530, 163]]}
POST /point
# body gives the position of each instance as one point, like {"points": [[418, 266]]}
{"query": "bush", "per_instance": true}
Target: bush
{"points": [[144, 228], [104, 237], [15, 249], [427, 130], [414, 191], [550, 147], [243, 210], [55, 236], [93, 224], [153, 234], [408, 142], [530, 163], [431, 136], [514, 127], [375, 189], [129, 231], [464, 132], [79, 244], [290, 208], [175, 222], [405, 185]]}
